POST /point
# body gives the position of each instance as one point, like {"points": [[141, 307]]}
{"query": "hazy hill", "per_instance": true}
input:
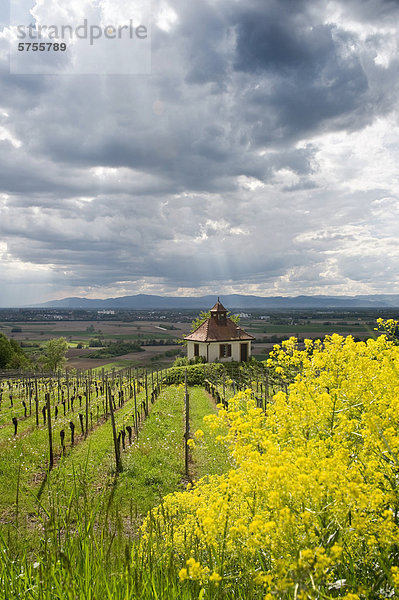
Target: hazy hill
{"points": [[149, 302]]}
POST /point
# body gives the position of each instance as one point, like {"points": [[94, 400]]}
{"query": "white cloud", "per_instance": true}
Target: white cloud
{"points": [[166, 17]]}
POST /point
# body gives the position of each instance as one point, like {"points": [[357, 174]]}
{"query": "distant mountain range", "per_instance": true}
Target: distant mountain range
{"points": [[230, 301]]}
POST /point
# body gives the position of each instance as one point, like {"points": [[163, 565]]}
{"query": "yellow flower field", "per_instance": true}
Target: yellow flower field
{"points": [[310, 507]]}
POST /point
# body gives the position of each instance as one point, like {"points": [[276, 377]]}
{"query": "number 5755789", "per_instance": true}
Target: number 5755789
{"points": [[41, 46]]}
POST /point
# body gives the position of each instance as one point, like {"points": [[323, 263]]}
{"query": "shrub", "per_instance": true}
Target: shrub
{"points": [[196, 374]]}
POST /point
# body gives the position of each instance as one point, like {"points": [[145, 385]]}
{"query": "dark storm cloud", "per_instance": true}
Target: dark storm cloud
{"points": [[294, 65], [204, 43], [213, 168], [271, 37], [308, 74]]}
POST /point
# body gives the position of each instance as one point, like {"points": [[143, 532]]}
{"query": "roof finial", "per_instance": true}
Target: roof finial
{"points": [[218, 299]]}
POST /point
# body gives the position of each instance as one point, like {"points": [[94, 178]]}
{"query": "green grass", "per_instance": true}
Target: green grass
{"points": [[30, 447], [74, 534], [28, 454], [85, 570], [209, 456], [154, 465]]}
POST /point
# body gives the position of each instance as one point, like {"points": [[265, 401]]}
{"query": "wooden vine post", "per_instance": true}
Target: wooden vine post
{"points": [[118, 461], [136, 426], [36, 404], [67, 384], [146, 395], [187, 427], [50, 435], [224, 386], [30, 397], [87, 409], [266, 387]]}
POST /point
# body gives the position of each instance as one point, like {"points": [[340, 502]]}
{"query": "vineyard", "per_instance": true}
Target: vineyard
{"points": [[260, 480]]}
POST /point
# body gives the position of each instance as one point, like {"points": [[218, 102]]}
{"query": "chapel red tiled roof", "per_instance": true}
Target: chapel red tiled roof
{"points": [[213, 331], [218, 307]]}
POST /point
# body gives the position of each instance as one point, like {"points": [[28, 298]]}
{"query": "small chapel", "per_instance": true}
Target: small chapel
{"points": [[219, 338]]}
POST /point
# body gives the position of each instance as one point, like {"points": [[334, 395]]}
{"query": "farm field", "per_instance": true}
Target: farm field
{"points": [[159, 337], [269, 333], [159, 349]]}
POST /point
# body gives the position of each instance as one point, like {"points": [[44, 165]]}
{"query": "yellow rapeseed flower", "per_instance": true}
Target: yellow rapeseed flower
{"points": [[215, 577], [311, 495]]}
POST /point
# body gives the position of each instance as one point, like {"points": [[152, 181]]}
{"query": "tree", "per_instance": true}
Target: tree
{"points": [[203, 316], [54, 353], [6, 351], [11, 354]]}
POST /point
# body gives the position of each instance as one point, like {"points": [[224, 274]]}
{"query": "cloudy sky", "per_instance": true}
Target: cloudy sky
{"points": [[260, 155]]}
